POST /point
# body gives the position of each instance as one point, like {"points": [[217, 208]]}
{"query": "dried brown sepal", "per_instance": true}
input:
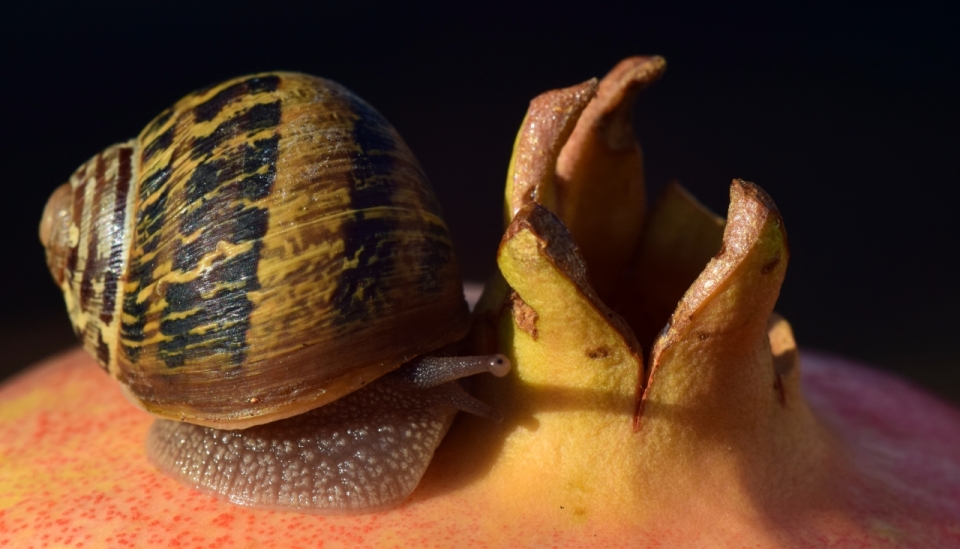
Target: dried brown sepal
{"points": [[716, 349], [679, 239], [599, 182], [548, 124], [557, 318]]}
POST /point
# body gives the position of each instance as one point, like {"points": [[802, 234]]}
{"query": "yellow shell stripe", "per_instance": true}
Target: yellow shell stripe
{"points": [[198, 224]]}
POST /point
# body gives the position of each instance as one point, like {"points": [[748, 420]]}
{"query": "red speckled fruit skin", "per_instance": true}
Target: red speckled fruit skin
{"points": [[73, 474]]}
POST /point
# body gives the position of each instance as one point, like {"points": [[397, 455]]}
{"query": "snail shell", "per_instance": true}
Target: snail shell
{"points": [[263, 249]]}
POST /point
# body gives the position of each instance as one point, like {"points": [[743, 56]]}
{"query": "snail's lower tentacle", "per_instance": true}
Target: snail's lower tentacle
{"points": [[456, 396]]}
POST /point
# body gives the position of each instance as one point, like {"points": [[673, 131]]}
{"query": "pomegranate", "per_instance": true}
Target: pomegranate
{"points": [[656, 400]]}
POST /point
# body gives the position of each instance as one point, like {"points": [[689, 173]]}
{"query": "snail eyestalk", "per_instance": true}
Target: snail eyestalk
{"points": [[431, 371]]}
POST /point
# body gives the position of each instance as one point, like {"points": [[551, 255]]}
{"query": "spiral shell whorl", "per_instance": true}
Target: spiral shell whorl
{"points": [[85, 230]]}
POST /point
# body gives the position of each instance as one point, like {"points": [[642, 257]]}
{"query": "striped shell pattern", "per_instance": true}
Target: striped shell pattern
{"points": [[264, 247]]}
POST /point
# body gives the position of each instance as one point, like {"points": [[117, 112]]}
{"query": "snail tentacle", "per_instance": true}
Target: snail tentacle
{"points": [[431, 371]]}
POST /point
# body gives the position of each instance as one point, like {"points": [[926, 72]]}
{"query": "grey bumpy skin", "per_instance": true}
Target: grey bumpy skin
{"points": [[365, 452]]}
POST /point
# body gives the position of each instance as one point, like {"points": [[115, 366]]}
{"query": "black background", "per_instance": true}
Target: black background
{"points": [[846, 114]]}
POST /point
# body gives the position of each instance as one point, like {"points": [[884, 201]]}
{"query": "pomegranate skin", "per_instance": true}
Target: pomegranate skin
{"points": [[74, 474], [903, 442]]}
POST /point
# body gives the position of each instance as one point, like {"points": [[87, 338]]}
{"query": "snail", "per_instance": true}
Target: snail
{"points": [[265, 269]]}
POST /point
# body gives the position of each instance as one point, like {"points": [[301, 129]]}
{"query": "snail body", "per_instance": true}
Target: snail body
{"points": [[263, 248]]}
